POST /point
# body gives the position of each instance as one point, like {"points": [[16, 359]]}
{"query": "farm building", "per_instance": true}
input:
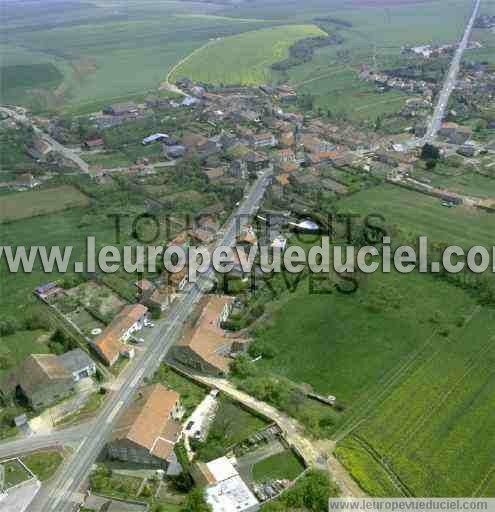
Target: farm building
{"points": [[42, 379], [154, 138], [121, 109], [93, 144], [109, 345], [207, 348], [149, 428]]}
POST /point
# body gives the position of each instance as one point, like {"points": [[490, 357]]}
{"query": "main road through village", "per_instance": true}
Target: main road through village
{"points": [[63, 493], [449, 83]]}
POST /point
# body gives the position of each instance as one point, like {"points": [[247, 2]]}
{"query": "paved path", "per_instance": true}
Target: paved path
{"points": [[316, 453]]}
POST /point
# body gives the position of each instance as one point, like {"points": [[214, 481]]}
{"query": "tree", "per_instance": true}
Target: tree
{"points": [[195, 502], [430, 152]]}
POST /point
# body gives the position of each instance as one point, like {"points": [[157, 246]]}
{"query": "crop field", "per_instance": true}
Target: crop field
{"points": [[108, 52], [40, 202], [433, 431], [418, 214], [463, 180], [244, 59]]}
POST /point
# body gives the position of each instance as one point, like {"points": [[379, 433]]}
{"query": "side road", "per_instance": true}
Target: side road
{"points": [[316, 454]]}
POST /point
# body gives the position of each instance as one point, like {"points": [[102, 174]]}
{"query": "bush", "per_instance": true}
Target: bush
{"points": [[195, 502], [310, 493], [261, 348], [8, 326]]}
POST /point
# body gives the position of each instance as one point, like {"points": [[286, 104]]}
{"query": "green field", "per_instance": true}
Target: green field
{"points": [[43, 464], [434, 427], [104, 52], [232, 424], [47, 230], [417, 214], [40, 202], [15, 473], [283, 465], [244, 59]]}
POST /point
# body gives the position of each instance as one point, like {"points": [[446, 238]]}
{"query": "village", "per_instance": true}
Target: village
{"points": [[165, 441]]}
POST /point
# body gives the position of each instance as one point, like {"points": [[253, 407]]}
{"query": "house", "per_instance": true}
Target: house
{"points": [[256, 162], [239, 169], [41, 379], [286, 155], [263, 140], [190, 101], [26, 180], [247, 236], [48, 290], [78, 364], [39, 149], [93, 144], [206, 348], [121, 109], [144, 287], [161, 298], [109, 343], [225, 490], [214, 173], [149, 428], [175, 151], [154, 138], [467, 150], [448, 129]]}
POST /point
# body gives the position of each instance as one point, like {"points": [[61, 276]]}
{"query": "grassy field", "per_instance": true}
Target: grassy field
{"points": [[246, 58], [43, 464], [48, 230], [15, 473], [283, 465], [14, 349], [23, 205], [462, 180], [319, 339], [419, 214]]}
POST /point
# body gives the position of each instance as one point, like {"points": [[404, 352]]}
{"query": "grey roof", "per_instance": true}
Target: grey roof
{"points": [[75, 360]]}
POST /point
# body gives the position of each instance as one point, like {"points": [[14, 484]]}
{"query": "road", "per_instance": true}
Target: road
{"points": [[62, 495], [40, 442], [316, 454], [448, 86], [451, 79], [20, 117]]}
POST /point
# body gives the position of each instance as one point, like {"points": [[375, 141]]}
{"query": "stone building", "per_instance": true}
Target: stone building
{"points": [[149, 428]]}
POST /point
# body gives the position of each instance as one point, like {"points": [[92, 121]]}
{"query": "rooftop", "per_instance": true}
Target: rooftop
{"points": [[208, 339], [109, 342], [75, 360], [147, 421]]}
